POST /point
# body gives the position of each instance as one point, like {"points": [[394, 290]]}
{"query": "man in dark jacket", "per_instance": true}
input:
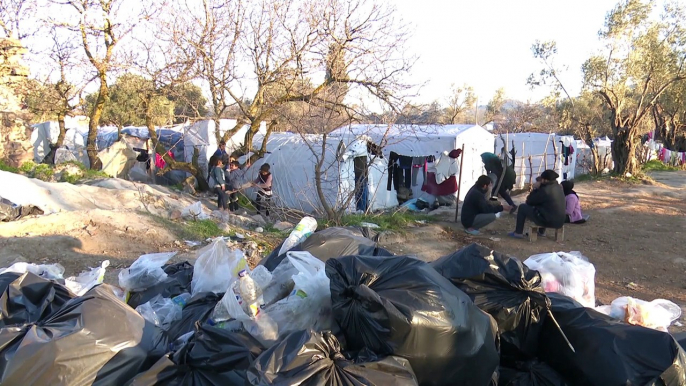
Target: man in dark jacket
{"points": [[494, 169], [545, 205], [477, 212]]}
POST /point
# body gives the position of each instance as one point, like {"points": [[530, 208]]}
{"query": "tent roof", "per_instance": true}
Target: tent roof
{"points": [[380, 131]]}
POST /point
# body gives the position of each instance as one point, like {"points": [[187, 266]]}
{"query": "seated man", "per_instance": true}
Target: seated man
{"points": [[477, 212], [545, 205]]}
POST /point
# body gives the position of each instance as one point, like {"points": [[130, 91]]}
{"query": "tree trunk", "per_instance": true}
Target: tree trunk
{"points": [[96, 113], [624, 151], [330, 213], [596, 161], [50, 156]]}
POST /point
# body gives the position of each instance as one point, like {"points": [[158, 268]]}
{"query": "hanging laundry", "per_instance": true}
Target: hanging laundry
{"points": [[445, 167], [448, 186], [417, 164]]}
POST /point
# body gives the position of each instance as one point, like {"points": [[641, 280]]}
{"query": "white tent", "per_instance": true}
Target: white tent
{"points": [[541, 148], [201, 135], [46, 133], [292, 161], [429, 140], [584, 158]]}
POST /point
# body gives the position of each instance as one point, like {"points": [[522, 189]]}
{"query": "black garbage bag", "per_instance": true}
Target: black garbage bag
{"points": [[198, 309], [10, 211], [329, 243], [313, 358], [532, 373], [28, 298], [680, 337], [211, 357], [401, 306], [178, 281], [95, 339], [608, 351], [506, 289]]}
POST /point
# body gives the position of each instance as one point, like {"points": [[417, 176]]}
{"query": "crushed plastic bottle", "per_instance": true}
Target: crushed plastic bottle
{"points": [[182, 300], [250, 293], [261, 276], [303, 230]]}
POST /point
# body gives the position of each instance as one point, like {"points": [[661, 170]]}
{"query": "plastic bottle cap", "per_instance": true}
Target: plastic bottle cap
{"points": [[242, 273]]}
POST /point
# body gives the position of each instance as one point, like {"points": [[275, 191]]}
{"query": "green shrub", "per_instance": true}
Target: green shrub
{"points": [[7, 168], [657, 165], [43, 172], [27, 167]]}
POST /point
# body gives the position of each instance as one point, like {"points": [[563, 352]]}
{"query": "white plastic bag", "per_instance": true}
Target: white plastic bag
{"points": [[570, 274], [307, 306], [46, 271], [160, 311], [216, 267], [658, 314], [144, 272], [303, 230], [86, 280], [194, 212]]}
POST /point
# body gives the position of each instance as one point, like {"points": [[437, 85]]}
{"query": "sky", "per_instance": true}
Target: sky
{"points": [[487, 43]]}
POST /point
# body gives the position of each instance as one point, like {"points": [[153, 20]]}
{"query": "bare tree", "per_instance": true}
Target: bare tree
{"points": [[101, 25], [16, 18], [461, 101], [57, 96]]}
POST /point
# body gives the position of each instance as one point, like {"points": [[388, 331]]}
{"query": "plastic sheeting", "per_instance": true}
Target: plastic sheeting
{"points": [[292, 160], [211, 357], [311, 358], [428, 140], [506, 289], [330, 243], [91, 340], [46, 133], [399, 305], [609, 352]]}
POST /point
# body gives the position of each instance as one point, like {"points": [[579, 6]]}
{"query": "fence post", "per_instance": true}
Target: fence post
{"points": [[459, 183]]}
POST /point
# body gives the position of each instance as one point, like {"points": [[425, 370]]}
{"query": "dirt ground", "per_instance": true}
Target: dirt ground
{"points": [[635, 238]]}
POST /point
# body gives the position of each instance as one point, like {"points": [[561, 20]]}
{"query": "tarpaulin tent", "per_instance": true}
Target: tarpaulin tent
{"points": [[292, 160], [428, 140], [541, 147], [46, 134], [201, 135]]}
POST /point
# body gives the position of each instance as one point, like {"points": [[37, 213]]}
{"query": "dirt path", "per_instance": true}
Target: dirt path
{"points": [[634, 238]]}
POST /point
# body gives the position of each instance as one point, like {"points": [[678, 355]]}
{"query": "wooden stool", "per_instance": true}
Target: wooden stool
{"points": [[533, 233]]}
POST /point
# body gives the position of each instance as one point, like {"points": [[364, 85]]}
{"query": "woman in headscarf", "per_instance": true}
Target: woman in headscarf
{"points": [[573, 206]]}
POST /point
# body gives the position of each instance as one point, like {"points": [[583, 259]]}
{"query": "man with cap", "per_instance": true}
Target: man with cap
{"points": [[545, 205]]}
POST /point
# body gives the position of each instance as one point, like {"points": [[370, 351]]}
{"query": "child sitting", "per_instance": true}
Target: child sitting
{"points": [[573, 207]]}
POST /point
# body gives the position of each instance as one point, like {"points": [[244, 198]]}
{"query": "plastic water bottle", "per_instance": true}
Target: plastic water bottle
{"points": [[251, 294], [303, 230], [182, 299]]}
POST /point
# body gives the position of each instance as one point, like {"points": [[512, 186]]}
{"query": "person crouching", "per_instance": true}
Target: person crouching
{"points": [[477, 212]]}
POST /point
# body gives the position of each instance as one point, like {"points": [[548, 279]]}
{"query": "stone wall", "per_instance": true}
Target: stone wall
{"points": [[15, 133]]}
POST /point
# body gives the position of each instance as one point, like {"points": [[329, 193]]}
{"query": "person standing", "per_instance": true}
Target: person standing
{"points": [[263, 183], [218, 183], [221, 150], [494, 169], [545, 205], [232, 184], [477, 212]]}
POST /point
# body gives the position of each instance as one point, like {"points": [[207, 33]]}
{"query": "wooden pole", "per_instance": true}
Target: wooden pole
{"points": [[459, 184], [531, 172]]}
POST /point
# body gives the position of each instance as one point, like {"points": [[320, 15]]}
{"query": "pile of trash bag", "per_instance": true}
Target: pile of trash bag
{"points": [[328, 244], [530, 373], [10, 211], [217, 267], [177, 281], [608, 352], [658, 314], [29, 298], [210, 356], [312, 358], [506, 289], [93, 339], [401, 306], [570, 274]]}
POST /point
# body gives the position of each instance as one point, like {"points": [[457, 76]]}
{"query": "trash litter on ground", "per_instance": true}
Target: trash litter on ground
{"points": [[312, 358], [210, 357], [145, 272], [506, 289], [162, 312], [87, 279], [10, 211], [330, 243], [658, 314], [194, 212], [217, 266], [93, 339], [177, 282], [608, 351], [401, 306], [27, 298], [46, 271], [570, 274], [198, 309]]}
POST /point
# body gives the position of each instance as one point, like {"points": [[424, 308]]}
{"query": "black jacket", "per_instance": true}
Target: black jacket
{"points": [[549, 202], [475, 203]]}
